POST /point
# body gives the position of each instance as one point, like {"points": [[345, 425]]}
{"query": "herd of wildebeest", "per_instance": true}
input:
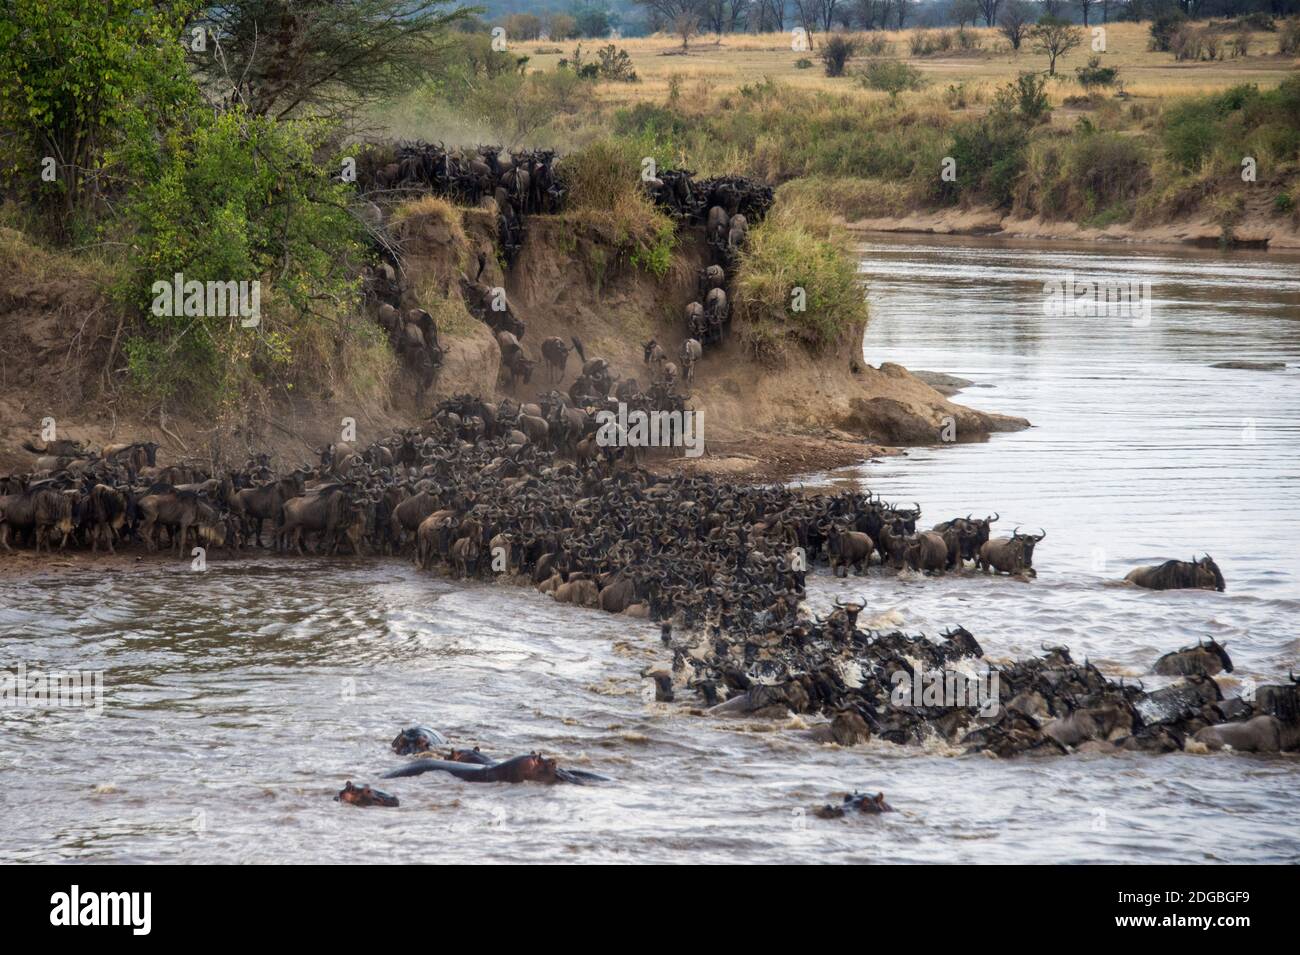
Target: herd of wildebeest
{"points": [[522, 492], [517, 184], [525, 491]]}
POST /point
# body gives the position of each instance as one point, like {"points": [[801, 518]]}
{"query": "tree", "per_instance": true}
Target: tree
{"points": [[1015, 21], [964, 12], [283, 58], [771, 16], [71, 73], [1085, 7], [593, 17], [722, 16], [817, 15], [1054, 37], [679, 16], [563, 26], [990, 10], [523, 26]]}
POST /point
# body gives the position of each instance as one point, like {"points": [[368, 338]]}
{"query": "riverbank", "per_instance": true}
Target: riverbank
{"points": [[1262, 232]]}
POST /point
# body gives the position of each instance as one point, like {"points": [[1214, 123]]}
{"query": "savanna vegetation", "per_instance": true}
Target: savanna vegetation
{"points": [[171, 138]]}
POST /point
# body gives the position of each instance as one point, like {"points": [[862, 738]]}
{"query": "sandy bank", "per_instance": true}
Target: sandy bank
{"points": [[1258, 231]]}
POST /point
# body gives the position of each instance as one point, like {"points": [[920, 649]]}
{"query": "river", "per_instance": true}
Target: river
{"points": [[238, 699]]}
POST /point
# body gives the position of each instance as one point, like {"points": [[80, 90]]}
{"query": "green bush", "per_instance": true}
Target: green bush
{"points": [[1163, 30], [1024, 98], [891, 76], [235, 197], [1094, 74], [989, 155]]}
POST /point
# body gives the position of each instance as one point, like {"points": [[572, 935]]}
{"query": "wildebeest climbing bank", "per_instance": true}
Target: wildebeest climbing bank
{"points": [[398, 424]]}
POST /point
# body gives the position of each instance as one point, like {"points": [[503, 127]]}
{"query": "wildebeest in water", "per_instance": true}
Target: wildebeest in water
{"points": [[1203, 574]]}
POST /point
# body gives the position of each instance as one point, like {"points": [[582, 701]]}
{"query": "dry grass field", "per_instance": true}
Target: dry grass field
{"points": [[720, 64]]}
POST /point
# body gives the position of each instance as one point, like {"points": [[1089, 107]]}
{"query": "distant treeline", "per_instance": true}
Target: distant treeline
{"points": [[560, 20]]}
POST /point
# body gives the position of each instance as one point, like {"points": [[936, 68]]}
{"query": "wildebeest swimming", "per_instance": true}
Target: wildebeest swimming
{"points": [[1205, 659], [1179, 574], [483, 491]]}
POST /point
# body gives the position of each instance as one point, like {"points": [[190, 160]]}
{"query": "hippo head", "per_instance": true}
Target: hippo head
{"points": [[537, 768]]}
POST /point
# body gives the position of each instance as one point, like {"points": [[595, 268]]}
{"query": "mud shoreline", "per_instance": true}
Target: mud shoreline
{"points": [[1261, 234]]}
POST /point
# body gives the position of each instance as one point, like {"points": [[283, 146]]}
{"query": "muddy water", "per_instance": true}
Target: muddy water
{"points": [[239, 699]]}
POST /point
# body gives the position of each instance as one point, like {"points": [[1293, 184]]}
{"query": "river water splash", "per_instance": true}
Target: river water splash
{"points": [[239, 699]]}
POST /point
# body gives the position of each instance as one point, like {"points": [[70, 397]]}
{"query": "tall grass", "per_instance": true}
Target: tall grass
{"points": [[797, 284]]}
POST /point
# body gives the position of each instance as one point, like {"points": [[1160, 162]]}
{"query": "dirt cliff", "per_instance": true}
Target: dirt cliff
{"points": [[759, 422]]}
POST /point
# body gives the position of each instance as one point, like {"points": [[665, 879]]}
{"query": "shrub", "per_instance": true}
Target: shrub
{"points": [[836, 52], [1024, 98], [803, 63], [1094, 74], [967, 40], [891, 76], [876, 44], [1163, 29], [1105, 169], [990, 155], [1288, 43], [616, 64]]}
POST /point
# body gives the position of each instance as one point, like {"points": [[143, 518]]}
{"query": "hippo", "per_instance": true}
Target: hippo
{"points": [[534, 768], [418, 739], [365, 796], [861, 802]]}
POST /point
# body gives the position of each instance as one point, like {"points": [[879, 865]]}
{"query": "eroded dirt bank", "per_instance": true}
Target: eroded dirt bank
{"points": [[63, 359]]}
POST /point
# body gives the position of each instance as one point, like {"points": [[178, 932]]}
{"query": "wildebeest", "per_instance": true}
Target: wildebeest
{"points": [[716, 226], [1010, 555], [964, 537], [1105, 722], [327, 512], [1260, 734], [556, 353], [579, 589], [653, 354], [1206, 659], [58, 448], [927, 552], [254, 505], [163, 504], [692, 351], [1203, 574], [105, 514], [847, 548], [42, 508]]}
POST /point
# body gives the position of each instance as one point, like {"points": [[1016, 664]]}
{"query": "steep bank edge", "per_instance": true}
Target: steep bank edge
{"points": [[760, 422]]}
